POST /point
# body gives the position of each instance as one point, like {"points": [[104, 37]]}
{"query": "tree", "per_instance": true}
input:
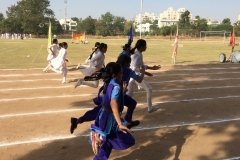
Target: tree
{"points": [[154, 29], [184, 21], [118, 25], [105, 24], [28, 15], [127, 27], [87, 25], [200, 25], [226, 21], [1, 23], [166, 30], [1, 17], [75, 19]]}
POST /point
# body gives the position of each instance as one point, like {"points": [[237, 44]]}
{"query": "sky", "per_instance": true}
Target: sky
{"points": [[214, 9]]}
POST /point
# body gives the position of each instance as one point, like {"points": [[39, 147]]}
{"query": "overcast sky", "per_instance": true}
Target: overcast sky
{"points": [[215, 9]]}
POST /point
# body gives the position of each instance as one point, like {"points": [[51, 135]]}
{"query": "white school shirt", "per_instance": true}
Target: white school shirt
{"points": [[137, 62], [58, 62], [97, 60], [54, 48]]}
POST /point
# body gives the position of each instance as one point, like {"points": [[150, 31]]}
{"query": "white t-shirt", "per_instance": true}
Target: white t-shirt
{"points": [[97, 60], [54, 48], [137, 62], [58, 62]]}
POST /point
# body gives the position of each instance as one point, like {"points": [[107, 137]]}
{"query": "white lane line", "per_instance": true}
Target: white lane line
{"points": [[161, 70], [234, 158], [139, 104], [180, 124], [186, 89], [37, 140], [43, 112], [33, 74], [195, 80], [186, 80], [47, 97], [36, 88], [202, 74], [181, 69], [161, 90]]}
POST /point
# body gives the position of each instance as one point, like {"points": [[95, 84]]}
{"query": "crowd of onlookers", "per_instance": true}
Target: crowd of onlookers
{"points": [[15, 36]]}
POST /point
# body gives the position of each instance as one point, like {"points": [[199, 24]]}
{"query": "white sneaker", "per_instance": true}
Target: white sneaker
{"points": [[79, 82], [64, 82], [153, 109]]}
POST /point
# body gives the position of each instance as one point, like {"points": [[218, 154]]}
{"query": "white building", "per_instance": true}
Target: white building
{"points": [[146, 16], [171, 17], [211, 22], [145, 27], [70, 23]]}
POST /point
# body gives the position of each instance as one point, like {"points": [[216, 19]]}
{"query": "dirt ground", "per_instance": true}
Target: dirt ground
{"points": [[198, 119]]}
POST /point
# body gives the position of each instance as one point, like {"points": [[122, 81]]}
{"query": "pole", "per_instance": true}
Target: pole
{"points": [[141, 21], [65, 1]]}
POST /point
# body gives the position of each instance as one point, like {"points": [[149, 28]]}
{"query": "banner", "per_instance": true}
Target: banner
{"points": [[130, 36], [78, 37]]}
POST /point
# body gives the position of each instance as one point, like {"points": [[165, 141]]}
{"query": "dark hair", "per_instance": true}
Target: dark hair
{"points": [[102, 46], [60, 45], [111, 68], [54, 40], [97, 44], [123, 59], [140, 43], [64, 44], [126, 46]]}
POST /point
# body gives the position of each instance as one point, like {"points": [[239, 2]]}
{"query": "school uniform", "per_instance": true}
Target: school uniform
{"points": [[106, 125], [136, 64], [58, 64], [54, 48], [97, 61]]}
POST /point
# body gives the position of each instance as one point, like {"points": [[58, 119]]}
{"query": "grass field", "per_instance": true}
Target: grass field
{"points": [[14, 53]]}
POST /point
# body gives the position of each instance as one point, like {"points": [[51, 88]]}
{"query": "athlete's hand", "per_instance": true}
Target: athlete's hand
{"points": [[124, 129], [156, 67], [148, 74]]}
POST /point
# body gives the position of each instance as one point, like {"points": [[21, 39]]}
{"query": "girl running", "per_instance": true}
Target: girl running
{"points": [[52, 53], [58, 64], [109, 130], [136, 63], [96, 63]]}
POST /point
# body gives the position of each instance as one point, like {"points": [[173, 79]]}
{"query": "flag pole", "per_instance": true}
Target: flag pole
{"points": [[141, 21]]}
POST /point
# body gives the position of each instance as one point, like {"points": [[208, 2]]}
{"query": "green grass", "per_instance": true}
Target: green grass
{"points": [[14, 53]]}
